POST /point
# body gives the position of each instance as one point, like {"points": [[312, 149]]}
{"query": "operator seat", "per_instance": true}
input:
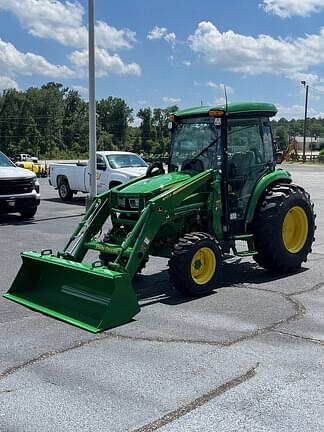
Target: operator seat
{"points": [[239, 168]]}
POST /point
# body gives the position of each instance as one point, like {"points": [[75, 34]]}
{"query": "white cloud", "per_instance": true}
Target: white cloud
{"points": [[105, 63], [171, 38], [82, 90], [288, 8], [157, 33], [258, 55], [63, 22], [171, 100], [50, 19], [136, 122], [7, 83], [293, 111], [111, 38], [13, 62], [218, 101], [186, 63], [162, 33], [220, 86]]}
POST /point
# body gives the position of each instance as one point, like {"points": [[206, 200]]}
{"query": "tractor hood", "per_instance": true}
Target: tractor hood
{"points": [[156, 184]]}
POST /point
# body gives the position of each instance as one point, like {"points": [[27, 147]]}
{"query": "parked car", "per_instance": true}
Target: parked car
{"points": [[24, 160], [24, 157], [113, 168], [19, 189]]}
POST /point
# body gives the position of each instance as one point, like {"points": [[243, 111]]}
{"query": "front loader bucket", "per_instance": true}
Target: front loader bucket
{"points": [[93, 298]]}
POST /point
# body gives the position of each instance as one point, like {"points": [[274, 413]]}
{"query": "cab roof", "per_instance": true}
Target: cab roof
{"points": [[233, 109]]}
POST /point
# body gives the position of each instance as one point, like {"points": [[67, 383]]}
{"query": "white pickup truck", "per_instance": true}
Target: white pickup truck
{"points": [[113, 168], [19, 189]]}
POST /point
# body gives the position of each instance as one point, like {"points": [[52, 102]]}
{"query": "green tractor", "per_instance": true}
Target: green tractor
{"points": [[221, 189]]}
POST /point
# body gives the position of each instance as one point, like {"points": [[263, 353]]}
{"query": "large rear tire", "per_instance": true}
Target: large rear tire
{"points": [[284, 228], [195, 264]]}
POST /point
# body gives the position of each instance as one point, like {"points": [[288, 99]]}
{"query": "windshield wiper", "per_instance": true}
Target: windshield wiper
{"points": [[206, 148], [215, 141]]}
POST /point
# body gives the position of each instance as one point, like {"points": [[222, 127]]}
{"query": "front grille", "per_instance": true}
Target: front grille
{"points": [[16, 187]]}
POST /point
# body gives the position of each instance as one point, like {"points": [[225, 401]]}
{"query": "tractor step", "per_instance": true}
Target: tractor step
{"points": [[250, 244], [244, 237], [245, 253]]}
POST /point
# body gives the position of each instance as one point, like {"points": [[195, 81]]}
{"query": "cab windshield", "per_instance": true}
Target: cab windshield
{"points": [[125, 161], [195, 145]]}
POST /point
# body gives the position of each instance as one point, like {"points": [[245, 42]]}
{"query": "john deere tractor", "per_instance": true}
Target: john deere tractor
{"points": [[221, 190]]}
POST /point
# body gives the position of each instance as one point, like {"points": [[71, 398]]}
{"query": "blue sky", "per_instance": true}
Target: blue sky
{"points": [[154, 53]]}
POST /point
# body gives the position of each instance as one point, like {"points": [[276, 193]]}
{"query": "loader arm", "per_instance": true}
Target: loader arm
{"points": [[95, 297], [157, 212]]}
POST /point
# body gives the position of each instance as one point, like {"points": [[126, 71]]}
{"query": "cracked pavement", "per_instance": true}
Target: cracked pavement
{"points": [[249, 356]]}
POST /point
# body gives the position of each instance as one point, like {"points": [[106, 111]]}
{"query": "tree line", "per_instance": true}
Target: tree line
{"points": [[52, 122], [285, 130]]}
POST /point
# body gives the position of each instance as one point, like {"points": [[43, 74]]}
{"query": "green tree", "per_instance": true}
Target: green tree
{"points": [[145, 114], [114, 116]]}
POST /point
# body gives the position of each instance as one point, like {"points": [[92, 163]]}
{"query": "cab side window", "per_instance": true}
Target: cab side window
{"points": [[267, 141], [245, 139]]}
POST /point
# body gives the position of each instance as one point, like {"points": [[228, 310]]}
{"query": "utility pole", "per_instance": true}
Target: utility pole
{"points": [[305, 120], [92, 104]]}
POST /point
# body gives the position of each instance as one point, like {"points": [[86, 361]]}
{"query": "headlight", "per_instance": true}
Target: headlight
{"points": [[134, 203], [128, 203], [36, 184], [121, 202]]}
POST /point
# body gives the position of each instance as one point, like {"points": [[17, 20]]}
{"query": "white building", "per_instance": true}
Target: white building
{"points": [[311, 143]]}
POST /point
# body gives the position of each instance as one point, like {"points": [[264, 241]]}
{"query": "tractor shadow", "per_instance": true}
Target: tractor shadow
{"points": [[156, 288]]}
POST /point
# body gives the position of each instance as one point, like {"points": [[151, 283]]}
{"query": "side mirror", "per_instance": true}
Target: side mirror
{"points": [[101, 166]]}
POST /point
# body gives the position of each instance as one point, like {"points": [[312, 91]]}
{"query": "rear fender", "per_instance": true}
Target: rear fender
{"points": [[276, 176]]}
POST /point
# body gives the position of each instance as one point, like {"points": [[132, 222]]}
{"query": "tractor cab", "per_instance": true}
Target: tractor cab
{"points": [[237, 143]]}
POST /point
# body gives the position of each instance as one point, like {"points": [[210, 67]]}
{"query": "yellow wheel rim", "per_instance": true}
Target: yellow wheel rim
{"points": [[203, 266], [295, 229]]}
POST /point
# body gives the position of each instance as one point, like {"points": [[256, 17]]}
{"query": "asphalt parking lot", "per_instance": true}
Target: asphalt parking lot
{"points": [[248, 357]]}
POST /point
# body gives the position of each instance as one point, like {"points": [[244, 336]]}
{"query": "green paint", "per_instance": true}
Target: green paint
{"points": [[95, 297], [263, 183], [243, 108], [158, 183]]}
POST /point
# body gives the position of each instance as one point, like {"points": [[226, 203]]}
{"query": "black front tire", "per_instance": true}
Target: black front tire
{"points": [[195, 264], [28, 214], [284, 228], [64, 190]]}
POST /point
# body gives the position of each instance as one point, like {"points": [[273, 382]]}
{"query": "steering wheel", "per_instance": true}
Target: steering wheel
{"points": [[154, 169], [193, 164]]}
